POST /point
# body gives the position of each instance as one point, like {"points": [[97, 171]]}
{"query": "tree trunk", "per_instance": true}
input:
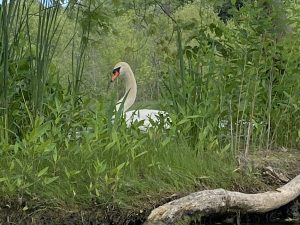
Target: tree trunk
{"points": [[222, 201]]}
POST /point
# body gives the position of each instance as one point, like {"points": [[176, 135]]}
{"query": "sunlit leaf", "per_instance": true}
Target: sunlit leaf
{"points": [[43, 171]]}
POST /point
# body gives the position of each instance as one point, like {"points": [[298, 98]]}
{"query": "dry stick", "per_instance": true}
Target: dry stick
{"points": [[244, 108], [249, 131], [250, 125], [239, 127], [231, 128], [209, 202], [164, 10], [269, 111]]}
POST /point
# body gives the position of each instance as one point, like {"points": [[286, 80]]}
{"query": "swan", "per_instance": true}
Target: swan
{"points": [[148, 116]]}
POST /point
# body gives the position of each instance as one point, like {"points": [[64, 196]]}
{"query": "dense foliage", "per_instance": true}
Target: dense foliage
{"points": [[231, 88]]}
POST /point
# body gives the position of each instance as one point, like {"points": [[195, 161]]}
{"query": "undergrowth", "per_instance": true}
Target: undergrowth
{"points": [[59, 160]]}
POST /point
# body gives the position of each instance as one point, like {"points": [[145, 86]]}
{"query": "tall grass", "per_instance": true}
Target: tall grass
{"points": [[110, 166], [4, 78], [44, 46], [235, 82], [78, 59], [29, 35]]}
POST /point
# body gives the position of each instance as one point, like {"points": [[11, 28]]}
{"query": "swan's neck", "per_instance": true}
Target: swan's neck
{"points": [[130, 92]]}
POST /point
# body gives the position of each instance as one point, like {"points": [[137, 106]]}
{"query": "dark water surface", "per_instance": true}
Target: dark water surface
{"points": [[251, 223], [267, 223], [272, 223]]}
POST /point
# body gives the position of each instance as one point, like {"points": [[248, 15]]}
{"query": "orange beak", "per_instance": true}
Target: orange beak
{"points": [[115, 76]]}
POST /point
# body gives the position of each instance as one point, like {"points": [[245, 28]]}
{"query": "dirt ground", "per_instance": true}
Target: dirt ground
{"points": [[274, 168], [277, 166]]}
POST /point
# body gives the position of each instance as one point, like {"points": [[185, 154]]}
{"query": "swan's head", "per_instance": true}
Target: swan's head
{"points": [[120, 70]]}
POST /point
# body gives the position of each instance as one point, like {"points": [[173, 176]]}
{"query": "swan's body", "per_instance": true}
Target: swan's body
{"points": [[148, 116]]}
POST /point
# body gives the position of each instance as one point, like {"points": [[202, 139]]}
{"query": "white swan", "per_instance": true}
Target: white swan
{"points": [[148, 116]]}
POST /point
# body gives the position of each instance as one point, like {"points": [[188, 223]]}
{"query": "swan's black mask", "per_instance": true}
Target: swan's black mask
{"points": [[116, 73]]}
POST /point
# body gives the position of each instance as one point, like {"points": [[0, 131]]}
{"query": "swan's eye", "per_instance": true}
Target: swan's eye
{"points": [[116, 73], [116, 70]]}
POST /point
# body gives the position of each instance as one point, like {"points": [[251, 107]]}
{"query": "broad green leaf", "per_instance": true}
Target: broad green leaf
{"points": [[54, 155], [43, 171], [142, 153], [50, 180], [2, 179]]}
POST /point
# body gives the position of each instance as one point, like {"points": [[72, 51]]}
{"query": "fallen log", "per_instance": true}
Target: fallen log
{"points": [[221, 201]]}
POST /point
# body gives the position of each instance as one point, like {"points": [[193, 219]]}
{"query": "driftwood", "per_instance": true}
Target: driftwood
{"points": [[209, 202]]}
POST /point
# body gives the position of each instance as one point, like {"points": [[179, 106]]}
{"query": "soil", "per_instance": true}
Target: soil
{"points": [[272, 168]]}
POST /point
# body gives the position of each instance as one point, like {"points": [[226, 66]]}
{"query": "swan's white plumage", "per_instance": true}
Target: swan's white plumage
{"points": [[148, 116]]}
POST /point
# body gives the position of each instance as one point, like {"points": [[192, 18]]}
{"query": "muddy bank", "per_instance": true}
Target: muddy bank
{"points": [[284, 164], [56, 216]]}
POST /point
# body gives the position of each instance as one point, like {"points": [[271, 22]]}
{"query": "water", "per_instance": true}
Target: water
{"points": [[268, 223], [272, 223], [258, 222]]}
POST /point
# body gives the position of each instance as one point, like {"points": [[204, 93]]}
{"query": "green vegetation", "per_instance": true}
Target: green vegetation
{"points": [[231, 88]]}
